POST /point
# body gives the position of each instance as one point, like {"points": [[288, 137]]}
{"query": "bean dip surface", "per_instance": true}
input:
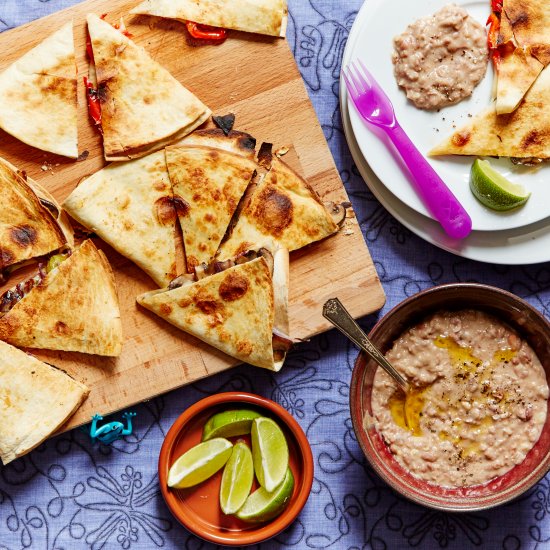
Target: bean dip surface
{"points": [[479, 402], [440, 59]]}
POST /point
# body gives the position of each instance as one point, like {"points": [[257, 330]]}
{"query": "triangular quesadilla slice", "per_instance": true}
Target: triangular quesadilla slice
{"points": [[27, 228], [130, 206], [39, 96], [256, 16], [520, 45], [210, 183], [521, 134], [143, 107], [71, 307], [237, 309], [37, 399], [283, 209]]}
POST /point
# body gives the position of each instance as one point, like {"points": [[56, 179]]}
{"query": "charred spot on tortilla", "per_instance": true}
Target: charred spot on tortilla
{"points": [[265, 155], [165, 210], [207, 306], [61, 328], [460, 139], [166, 309], [233, 287], [182, 206], [23, 236], [274, 211], [6, 257], [534, 137], [225, 123], [519, 19]]}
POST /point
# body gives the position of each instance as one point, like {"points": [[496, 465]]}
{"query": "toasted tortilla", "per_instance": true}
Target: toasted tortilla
{"points": [[524, 133], [39, 96], [256, 16], [524, 44], [210, 183], [130, 206], [238, 143], [37, 399], [233, 310], [75, 308], [283, 210], [27, 228], [143, 107]]}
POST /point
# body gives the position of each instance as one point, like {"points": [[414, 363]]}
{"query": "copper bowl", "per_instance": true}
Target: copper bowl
{"points": [[197, 508], [514, 311]]}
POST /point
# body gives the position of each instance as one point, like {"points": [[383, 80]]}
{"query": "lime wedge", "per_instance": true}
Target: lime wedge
{"points": [[263, 506], [269, 452], [237, 479], [229, 424], [199, 463], [493, 189]]}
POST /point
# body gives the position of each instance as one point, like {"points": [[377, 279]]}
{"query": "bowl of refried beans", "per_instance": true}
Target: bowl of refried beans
{"points": [[473, 431]]}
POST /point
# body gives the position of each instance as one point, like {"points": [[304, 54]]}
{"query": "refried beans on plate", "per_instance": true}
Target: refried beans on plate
{"points": [[478, 402], [440, 59]]}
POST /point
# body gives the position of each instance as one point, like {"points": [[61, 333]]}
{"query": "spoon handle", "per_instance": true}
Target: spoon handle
{"points": [[338, 315]]}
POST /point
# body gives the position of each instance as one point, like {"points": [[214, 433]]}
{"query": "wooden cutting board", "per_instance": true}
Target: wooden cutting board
{"points": [[256, 78]]}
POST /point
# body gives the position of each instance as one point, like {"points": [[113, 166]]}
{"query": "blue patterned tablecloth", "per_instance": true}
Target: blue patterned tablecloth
{"points": [[70, 495]]}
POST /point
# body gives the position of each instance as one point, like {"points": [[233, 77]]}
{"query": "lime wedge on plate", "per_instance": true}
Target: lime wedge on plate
{"points": [[229, 424], [269, 452], [237, 479], [199, 463], [493, 190], [263, 506]]}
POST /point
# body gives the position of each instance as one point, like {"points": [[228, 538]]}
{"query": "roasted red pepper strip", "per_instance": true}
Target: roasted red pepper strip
{"points": [[496, 5], [206, 32], [94, 105]]}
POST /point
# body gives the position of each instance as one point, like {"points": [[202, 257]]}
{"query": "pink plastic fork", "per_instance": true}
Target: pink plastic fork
{"points": [[376, 108]]}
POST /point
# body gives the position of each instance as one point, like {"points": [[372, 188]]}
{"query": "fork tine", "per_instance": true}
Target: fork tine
{"points": [[349, 85], [356, 80], [366, 75]]}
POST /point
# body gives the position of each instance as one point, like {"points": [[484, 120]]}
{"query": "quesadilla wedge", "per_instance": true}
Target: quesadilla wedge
{"points": [[130, 206], [522, 134], [210, 183], [283, 209], [237, 309], [37, 399], [27, 227], [39, 96], [520, 45], [143, 107], [256, 16], [72, 305]]}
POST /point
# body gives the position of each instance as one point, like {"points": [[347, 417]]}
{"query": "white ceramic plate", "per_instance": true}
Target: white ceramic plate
{"points": [[371, 40], [524, 245]]}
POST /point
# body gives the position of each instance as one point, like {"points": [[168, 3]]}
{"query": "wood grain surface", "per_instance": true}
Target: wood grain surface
{"points": [[256, 78]]}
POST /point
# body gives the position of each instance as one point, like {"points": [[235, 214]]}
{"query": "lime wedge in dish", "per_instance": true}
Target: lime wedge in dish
{"points": [[493, 190], [199, 463], [263, 506], [229, 424], [237, 479], [269, 453]]}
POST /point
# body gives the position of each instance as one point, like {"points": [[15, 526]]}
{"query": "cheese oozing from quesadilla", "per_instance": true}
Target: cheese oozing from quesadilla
{"points": [[37, 399], [130, 206], [257, 16], [143, 107], [38, 96], [27, 227], [210, 183], [283, 209], [73, 308], [234, 310]]}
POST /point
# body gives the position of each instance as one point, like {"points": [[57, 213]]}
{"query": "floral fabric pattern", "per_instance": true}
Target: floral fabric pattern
{"points": [[71, 494]]}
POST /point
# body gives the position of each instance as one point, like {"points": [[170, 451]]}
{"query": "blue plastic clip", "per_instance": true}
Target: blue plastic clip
{"points": [[112, 431]]}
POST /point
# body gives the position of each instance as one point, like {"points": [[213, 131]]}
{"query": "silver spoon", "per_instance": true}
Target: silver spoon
{"points": [[338, 315]]}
